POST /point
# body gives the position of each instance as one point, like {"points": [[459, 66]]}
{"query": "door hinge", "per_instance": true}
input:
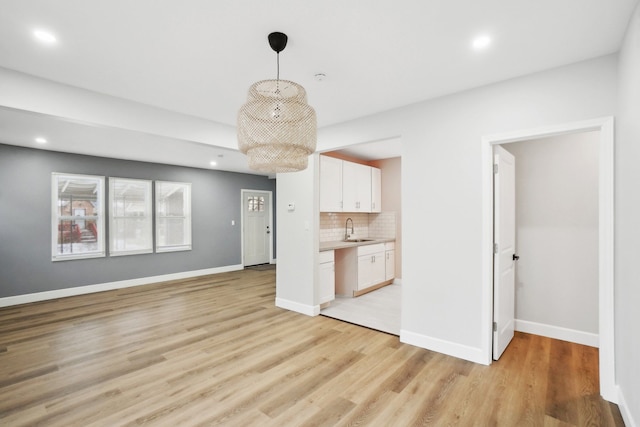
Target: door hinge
{"points": [[495, 248], [495, 327], [495, 168]]}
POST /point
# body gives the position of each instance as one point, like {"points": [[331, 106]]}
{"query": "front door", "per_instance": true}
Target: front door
{"points": [[256, 228], [504, 210]]}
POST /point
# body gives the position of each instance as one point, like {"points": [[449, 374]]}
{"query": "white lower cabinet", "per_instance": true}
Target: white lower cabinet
{"points": [[390, 260], [327, 277], [371, 266], [359, 268]]}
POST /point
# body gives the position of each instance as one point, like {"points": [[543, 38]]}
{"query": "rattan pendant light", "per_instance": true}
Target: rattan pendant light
{"points": [[276, 127]]}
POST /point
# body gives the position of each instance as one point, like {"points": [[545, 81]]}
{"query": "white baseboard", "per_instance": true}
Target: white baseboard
{"points": [[449, 348], [624, 410], [397, 281], [309, 310], [557, 332], [101, 287]]}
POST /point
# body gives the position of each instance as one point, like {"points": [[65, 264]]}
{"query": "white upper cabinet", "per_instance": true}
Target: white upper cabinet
{"points": [[376, 190], [349, 187], [356, 187], [330, 184]]}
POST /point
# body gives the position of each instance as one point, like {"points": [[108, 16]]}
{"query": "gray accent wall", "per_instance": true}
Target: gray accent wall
{"points": [[25, 221]]}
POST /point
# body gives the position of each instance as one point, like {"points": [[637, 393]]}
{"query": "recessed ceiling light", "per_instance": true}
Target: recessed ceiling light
{"points": [[41, 140], [45, 36], [481, 42], [213, 163]]}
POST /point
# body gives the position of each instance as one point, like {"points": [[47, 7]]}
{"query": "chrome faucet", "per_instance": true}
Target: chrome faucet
{"points": [[346, 225]]}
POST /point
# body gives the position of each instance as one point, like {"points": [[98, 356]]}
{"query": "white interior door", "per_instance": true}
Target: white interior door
{"points": [[505, 250], [256, 228]]}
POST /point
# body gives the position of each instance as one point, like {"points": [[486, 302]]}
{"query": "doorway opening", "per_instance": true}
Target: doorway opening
{"points": [[378, 301], [257, 226], [605, 237], [547, 283]]}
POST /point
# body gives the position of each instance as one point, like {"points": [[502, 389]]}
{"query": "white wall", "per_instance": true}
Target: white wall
{"points": [[557, 236], [25, 92], [298, 240], [627, 217], [442, 188]]}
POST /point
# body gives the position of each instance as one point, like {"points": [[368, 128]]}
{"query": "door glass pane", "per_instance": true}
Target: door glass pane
{"points": [[255, 203]]}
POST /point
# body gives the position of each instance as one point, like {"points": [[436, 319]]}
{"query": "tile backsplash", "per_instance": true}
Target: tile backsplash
{"points": [[332, 225]]}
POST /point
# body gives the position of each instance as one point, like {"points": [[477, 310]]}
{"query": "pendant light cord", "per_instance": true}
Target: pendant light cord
{"points": [[278, 73]]}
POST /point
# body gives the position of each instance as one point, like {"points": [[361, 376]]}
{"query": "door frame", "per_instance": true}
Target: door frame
{"points": [[271, 207], [605, 125]]}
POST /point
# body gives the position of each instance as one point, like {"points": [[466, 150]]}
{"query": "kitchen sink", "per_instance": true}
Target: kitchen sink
{"points": [[359, 240]]}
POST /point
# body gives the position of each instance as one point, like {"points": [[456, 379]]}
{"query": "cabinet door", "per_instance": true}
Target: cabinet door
{"points": [[371, 270], [364, 188], [330, 184], [327, 282], [349, 187], [378, 268], [390, 265], [365, 271], [356, 187], [376, 190]]}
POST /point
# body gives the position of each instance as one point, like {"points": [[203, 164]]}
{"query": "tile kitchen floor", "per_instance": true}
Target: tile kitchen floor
{"points": [[378, 310]]}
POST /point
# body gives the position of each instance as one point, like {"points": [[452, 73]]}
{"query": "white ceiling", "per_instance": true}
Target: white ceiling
{"points": [[198, 57]]}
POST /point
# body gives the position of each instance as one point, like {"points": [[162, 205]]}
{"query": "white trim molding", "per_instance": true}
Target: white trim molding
{"points": [[101, 287], [472, 354], [309, 310], [605, 125], [624, 410], [558, 333]]}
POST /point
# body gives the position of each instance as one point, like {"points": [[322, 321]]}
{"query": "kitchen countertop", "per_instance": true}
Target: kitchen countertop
{"points": [[341, 244]]}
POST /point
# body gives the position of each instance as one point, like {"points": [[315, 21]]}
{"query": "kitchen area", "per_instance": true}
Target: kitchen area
{"points": [[360, 235]]}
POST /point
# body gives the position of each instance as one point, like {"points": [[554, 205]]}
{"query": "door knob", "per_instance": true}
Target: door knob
{"points": [[516, 257]]}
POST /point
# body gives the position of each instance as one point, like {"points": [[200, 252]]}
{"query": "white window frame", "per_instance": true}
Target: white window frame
{"points": [[186, 246], [114, 216], [56, 217]]}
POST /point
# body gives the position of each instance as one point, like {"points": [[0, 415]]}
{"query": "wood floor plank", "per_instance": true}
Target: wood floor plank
{"points": [[214, 350], [330, 416], [561, 393]]}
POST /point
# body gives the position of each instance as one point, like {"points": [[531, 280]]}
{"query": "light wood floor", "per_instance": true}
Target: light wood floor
{"points": [[215, 350]]}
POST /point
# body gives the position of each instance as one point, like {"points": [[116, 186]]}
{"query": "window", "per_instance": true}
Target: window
{"points": [[77, 216], [173, 216], [255, 203], [130, 226]]}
